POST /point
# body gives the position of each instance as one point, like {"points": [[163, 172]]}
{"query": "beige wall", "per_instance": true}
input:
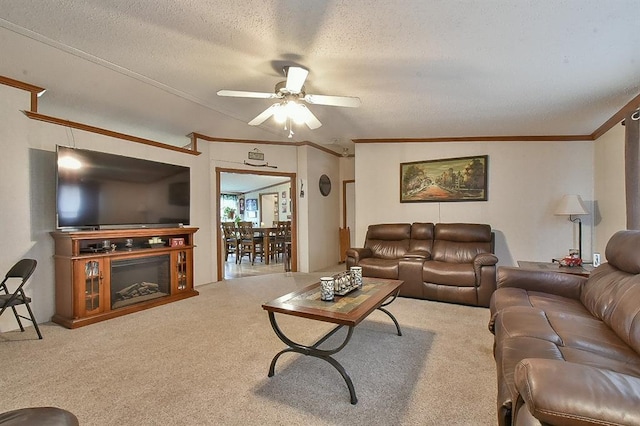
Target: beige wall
{"points": [[610, 215], [526, 180], [323, 212]]}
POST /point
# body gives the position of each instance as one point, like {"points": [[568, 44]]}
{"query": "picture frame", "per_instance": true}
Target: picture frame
{"points": [[445, 180], [251, 204], [241, 206]]}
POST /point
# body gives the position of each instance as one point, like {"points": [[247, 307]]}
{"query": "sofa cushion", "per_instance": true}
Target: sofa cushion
{"points": [[445, 273], [522, 321], [575, 335], [421, 237], [622, 251], [514, 296], [552, 394], [461, 242], [380, 268], [509, 353], [613, 296], [388, 241]]}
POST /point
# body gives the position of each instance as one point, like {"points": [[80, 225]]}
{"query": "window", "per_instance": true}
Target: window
{"points": [[230, 201]]}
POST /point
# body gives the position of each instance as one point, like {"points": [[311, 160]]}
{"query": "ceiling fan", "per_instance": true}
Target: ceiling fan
{"points": [[291, 95]]}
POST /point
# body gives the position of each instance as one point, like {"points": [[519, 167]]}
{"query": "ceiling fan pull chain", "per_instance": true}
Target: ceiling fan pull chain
{"points": [[290, 128]]}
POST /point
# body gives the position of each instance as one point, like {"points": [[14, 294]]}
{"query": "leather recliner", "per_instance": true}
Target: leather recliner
{"points": [[449, 262]]}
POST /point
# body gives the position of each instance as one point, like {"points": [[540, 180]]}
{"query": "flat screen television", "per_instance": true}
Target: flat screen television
{"points": [[96, 190]]}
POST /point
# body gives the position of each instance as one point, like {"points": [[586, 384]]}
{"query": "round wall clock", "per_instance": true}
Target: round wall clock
{"points": [[325, 185]]}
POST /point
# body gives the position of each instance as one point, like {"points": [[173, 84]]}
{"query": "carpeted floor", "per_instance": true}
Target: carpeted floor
{"points": [[204, 361]]}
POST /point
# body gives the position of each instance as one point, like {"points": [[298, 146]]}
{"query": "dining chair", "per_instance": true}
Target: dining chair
{"points": [[22, 270], [230, 233], [278, 239], [248, 243]]}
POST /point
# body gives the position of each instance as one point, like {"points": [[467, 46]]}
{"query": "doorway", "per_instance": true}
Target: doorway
{"points": [[248, 184], [269, 202]]}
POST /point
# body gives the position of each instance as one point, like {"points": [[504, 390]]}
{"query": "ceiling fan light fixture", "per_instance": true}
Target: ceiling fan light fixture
{"points": [[296, 112], [280, 114], [292, 96]]}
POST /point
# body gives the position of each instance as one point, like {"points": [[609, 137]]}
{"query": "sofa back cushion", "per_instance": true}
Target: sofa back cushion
{"points": [[389, 240], [421, 237], [622, 251], [461, 242], [612, 291]]}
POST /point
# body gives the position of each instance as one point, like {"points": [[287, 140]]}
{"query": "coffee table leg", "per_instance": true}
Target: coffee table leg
{"points": [[395, 321], [313, 351]]}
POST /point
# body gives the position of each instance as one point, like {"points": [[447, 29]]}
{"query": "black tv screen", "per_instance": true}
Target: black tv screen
{"points": [[98, 190]]}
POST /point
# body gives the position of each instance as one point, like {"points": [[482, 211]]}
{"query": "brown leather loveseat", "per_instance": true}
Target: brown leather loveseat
{"points": [[448, 262], [567, 348]]}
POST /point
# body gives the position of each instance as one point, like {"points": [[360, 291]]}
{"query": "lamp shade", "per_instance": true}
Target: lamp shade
{"points": [[571, 205]]}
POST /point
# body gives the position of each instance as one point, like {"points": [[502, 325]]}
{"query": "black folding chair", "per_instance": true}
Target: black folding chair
{"points": [[23, 269]]}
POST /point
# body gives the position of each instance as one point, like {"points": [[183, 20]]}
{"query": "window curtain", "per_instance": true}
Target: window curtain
{"points": [[632, 169]]}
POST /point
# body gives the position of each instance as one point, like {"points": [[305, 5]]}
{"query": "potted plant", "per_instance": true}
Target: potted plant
{"points": [[229, 212]]}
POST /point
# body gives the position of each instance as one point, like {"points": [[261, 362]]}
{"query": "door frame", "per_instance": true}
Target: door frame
{"points": [[344, 200], [294, 215]]}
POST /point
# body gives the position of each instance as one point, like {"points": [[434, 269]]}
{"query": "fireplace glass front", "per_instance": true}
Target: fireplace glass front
{"points": [[138, 280]]}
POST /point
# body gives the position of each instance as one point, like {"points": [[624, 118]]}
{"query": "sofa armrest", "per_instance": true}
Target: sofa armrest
{"points": [[560, 284], [558, 393], [417, 254], [484, 259], [484, 268], [356, 254]]}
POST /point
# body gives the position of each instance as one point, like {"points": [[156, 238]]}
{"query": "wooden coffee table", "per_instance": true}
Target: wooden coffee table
{"points": [[346, 311]]}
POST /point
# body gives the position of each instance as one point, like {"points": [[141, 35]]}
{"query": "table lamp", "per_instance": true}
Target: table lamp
{"points": [[572, 205]]}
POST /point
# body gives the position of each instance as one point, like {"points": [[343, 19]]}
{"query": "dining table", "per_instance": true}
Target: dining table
{"points": [[266, 232]]}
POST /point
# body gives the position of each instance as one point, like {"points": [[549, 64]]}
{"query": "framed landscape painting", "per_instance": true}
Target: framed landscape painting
{"points": [[449, 179]]}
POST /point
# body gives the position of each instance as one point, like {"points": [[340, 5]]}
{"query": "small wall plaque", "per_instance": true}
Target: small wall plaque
{"points": [[256, 155]]}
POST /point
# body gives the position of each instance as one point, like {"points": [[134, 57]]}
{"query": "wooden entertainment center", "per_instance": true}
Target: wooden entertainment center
{"points": [[86, 263]]}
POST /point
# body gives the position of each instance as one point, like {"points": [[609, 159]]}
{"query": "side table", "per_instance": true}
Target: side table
{"points": [[584, 270]]}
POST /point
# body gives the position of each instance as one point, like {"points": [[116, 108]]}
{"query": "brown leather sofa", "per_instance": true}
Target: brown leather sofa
{"points": [[567, 348], [448, 262]]}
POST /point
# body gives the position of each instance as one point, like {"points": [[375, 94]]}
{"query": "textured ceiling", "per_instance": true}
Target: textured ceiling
{"points": [[422, 69]]}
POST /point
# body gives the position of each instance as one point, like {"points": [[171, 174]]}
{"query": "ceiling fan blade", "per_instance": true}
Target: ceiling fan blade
{"points": [[342, 101], [243, 94], [309, 119], [264, 115], [295, 79]]}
